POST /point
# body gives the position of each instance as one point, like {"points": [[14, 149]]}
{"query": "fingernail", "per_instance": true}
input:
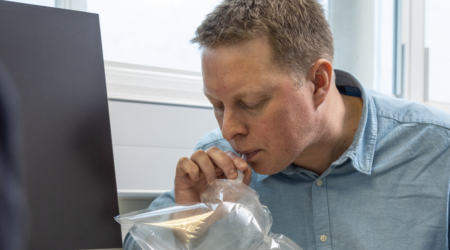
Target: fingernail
{"points": [[243, 164], [233, 173]]}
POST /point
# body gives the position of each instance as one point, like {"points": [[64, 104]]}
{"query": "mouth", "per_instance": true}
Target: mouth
{"points": [[250, 154]]}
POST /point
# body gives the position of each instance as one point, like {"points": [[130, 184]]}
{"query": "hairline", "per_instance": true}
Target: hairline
{"points": [[287, 68]]}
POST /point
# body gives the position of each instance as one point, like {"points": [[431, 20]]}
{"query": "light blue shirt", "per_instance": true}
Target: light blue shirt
{"points": [[389, 190]]}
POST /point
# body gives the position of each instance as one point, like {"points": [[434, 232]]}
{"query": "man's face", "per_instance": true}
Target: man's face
{"points": [[260, 109]]}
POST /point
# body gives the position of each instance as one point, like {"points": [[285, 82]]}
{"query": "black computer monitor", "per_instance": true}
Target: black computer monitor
{"points": [[54, 56]]}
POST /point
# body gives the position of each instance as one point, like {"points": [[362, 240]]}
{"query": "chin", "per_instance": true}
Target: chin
{"points": [[264, 169]]}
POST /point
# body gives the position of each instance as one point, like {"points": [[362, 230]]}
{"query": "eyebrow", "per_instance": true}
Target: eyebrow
{"points": [[259, 91]]}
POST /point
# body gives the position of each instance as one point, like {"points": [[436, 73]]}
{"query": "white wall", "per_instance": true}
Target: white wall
{"points": [[149, 139]]}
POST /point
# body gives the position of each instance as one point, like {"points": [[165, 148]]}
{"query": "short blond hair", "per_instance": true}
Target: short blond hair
{"points": [[297, 30]]}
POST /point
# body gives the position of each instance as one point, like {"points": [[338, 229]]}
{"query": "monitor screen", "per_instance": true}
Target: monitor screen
{"points": [[54, 56]]}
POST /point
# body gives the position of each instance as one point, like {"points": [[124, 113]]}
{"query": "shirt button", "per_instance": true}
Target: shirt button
{"points": [[323, 238], [319, 182]]}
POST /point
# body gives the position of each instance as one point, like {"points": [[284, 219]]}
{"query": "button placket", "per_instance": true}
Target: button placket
{"points": [[321, 215]]}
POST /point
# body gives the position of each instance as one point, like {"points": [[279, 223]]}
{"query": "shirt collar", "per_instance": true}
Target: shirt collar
{"points": [[362, 149]]}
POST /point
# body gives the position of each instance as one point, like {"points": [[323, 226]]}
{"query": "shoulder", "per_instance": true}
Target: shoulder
{"points": [[214, 139], [409, 131], [406, 112]]}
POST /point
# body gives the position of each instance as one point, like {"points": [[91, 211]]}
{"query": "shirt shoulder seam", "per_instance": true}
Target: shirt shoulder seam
{"points": [[429, 122]]}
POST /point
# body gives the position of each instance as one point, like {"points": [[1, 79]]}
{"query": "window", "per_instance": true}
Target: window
{"points": [[381, 42], [426, 46], [152, 32], [147, 49], [437, 50], [363, 33]]}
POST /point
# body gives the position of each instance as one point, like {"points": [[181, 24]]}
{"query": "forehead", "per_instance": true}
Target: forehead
{"points": [[255, 91], [238, 70], [246, 53]]}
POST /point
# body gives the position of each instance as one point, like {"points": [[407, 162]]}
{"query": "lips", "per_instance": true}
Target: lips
{"points": [[251, 154]]}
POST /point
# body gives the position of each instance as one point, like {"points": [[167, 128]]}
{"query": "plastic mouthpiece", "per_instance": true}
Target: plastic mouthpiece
{"points": [[240, 176]]}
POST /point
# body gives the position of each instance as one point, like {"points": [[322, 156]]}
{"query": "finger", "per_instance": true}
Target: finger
{"points": [[238, 161], [205, 164], [247, 176], [219, 173], [187, 167], [223, 161]]}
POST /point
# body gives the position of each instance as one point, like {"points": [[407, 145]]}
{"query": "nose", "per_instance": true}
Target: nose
{"points": [[232, 126]]}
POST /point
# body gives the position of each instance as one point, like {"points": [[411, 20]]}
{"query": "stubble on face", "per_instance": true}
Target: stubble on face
{"points": [[238, 75]]}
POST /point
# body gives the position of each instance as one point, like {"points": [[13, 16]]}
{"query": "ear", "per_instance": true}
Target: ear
{"points": [[321, 74]]}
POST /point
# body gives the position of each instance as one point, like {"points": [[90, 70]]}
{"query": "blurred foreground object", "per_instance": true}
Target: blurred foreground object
{"points": [[13, 215], [55, 58]]}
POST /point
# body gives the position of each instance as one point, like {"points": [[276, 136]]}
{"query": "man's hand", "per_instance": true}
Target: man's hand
{"points": [[194, 174]]}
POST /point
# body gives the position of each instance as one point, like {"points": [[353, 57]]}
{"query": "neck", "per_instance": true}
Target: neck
{"points": [[340, 118]]}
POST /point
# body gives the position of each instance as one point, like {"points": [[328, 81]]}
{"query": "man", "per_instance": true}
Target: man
{"points": [[339, 166]]}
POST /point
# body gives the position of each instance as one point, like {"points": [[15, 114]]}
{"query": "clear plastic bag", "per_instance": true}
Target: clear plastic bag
{"points": [[229, 216]]}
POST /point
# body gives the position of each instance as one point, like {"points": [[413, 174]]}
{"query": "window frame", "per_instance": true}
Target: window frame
{"points": [[159, 85], [416, 56]]}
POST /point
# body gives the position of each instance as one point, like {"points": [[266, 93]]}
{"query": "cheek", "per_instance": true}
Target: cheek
{"points": [[277, 128], [286, 130]]}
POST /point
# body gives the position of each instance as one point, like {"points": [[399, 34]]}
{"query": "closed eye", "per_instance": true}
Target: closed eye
{"points": [[254, 105]]}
